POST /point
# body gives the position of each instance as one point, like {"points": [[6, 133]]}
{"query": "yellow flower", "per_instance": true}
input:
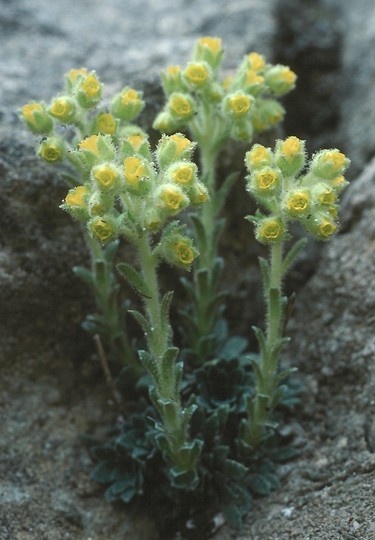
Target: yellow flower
{"points": [[299, 203], [136, 141], [269, 230], [326, 228], [257, 61], [182, 144], [106, 124], [29, 110], [328, 196], [258, 156], [183, 174], [172, 198], [74, 73], [76, 196], [329, 164], [130, 97], [335, 158], [291, 147], [199, 193], [252, 78], [281, 79], [134, 170], [181, 106], [51, 151], [101, 229], [185, 254], [174, 71], [91, 87], [238, 105], [196, 74], [106, 176], [36, 118], [90, 144], [266, 180], [211, 43], [63, 109]]}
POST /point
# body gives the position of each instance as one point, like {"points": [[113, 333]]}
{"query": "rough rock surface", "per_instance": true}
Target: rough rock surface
{"points": [[50, 390]]}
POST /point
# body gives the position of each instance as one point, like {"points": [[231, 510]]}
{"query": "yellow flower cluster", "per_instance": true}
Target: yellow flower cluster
{"points": [[243, 103], [148, 188], [280, 183]]}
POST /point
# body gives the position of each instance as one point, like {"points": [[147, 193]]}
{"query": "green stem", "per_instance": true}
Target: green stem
{"points": [[109, 303], [261, 405], [165, 373], [159, 340]]}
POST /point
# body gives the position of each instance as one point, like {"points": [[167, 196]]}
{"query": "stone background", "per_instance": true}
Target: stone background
{"points": [[50, 390]]}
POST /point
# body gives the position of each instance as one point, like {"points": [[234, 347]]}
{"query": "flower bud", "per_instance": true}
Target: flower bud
{"points": [[238, 104], [106, 177], [179, 250], [165, 122], [197, 75], [172, 80], [209, 49], [152, 220], [183, 173], [36, 118], [64, 109], [105, 123], [135, 142], [74, 74], [258, 157], [181, 107], [103, 228], [99, 203], [339, 183], [52, 150], [264, 182], [321, 226], [77, 197], [198, 193], [172, 148], [290, 155], [328, 164], [252, 82], [75, 203], [127, 104], [171, 198], [280, 79], [297, 203], [242, 129], [137, 175], [256, 61], [89, 91], [269, 230], [267, 114], [97, 147], [324, 194]]}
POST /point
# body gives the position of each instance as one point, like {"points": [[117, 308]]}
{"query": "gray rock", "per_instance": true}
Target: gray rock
{"points": [[50, 389]]}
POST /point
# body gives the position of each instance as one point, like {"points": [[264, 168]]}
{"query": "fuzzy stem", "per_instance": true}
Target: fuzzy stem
{"points": [[261, 406], [109, 305], [159, 343]]}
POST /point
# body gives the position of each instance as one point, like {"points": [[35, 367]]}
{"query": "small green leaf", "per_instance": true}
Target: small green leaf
{"points": [[233, 348], [134, 278], [111, 250], [259, 484], [103, 472], [234, 469], [199, 231], [142, 321], [292, 254], [222, 193], [84, 274]]}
